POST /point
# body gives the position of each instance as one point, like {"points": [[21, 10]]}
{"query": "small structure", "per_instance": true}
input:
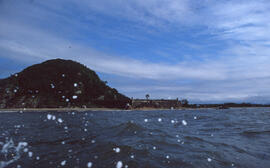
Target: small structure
{"points": [[156, 103]]}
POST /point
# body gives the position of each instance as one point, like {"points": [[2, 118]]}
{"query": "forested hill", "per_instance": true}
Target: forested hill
{"points": [[58, 83]]}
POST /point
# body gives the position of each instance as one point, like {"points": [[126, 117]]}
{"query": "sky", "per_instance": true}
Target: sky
{"points": [[203, 50]]}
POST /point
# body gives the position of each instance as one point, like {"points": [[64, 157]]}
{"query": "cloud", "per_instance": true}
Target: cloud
{"points": [[237, 32], [52, 47], [150, 12]]}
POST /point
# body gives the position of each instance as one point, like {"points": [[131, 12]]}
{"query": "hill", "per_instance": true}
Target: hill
{"points": [[58, 83]]}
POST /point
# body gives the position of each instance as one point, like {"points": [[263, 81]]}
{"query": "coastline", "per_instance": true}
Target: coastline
{"points": [[87, 109], [56, 109], [7, 110], [79, 109]]}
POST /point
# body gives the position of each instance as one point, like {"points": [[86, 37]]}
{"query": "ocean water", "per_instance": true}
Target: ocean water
{"points": [[145, 139]]}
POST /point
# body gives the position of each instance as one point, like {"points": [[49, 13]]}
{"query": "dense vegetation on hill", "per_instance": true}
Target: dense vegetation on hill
{"points": [[58, 83]]}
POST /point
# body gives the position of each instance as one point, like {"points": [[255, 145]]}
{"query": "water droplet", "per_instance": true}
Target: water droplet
{"points": [[119, 164], [60, 120], [89, 164], [49, 116], [25, 150], [52, 86], [30, 154], [117, 150], [63, 163], [184, 122]]}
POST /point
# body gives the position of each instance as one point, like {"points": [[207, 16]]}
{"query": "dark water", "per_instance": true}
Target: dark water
{"points": [[211, 138]]}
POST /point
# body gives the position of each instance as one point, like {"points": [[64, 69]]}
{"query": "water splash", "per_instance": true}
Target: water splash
{"points": [[10, 152]]}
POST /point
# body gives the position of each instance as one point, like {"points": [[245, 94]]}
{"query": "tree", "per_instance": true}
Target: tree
{"points": [[147, 96], [184, 102]]}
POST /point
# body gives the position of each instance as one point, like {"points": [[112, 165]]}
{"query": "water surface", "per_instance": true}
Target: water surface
{"points": [[173, 138]]}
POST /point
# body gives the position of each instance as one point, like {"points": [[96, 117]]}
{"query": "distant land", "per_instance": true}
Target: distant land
{"points": [[58, 83], [182, 104], [66, 84]]}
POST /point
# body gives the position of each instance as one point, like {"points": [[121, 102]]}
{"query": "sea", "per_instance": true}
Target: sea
{"points": [[197, 138]]}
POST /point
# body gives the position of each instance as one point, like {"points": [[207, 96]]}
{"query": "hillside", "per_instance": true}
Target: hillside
{"points": [[58, 83]]}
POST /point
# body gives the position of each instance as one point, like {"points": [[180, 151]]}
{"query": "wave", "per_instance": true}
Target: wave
{"points": [[10, 152], [127, 128], [253, 132], [193, 138]]}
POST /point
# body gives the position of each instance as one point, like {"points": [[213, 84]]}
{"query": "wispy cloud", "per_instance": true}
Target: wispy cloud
{"points": [[52, 47], [230, 55]]}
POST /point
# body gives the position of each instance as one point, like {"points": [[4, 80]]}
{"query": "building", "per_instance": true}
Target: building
{"points": [[156, 103]]}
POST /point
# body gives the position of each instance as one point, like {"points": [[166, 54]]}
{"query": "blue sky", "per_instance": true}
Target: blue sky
{"points": [[205, 51]]}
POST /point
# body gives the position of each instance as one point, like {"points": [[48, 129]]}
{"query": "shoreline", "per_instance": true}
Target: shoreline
{"points": [[7, 110], [56, 109]]}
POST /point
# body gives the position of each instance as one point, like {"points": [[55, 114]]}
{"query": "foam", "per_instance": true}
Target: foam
{"points": [[9, 148]]}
